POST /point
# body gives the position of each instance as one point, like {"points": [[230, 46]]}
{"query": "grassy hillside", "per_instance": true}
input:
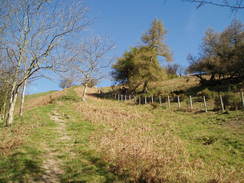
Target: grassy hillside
{"points": [[183, 83], [67, 140]]}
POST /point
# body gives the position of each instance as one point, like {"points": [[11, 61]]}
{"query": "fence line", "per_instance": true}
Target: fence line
{"points": [[169, 101], [205, 104], [191, 105], [222, 103], [178, 100], [242, 99]]}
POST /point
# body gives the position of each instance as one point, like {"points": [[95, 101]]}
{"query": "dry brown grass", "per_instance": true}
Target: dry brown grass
{"points": [[43, 100], [176, 84], [9, 142], [109, 114], [133, 147], [145, 156], [13, 137], [129, 140]]}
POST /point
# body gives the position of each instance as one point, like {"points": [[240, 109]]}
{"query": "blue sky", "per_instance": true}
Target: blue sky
{"points": [[124, 21]]}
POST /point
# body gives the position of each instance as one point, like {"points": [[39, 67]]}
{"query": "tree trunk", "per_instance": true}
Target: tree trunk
{"points": [[3, 111], [145, 87], [212, 77], [84, 92], [12, 102], [22, 99], [4, 106]]}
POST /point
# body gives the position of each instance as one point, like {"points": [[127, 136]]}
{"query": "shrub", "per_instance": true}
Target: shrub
{"points": [[68, 98], [182, 98], [207, 93], [144, 156]]}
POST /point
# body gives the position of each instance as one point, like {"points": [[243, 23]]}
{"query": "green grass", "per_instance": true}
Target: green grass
{"points": [[39, 94], [80, 164], [213, 138], [24, 162], [84, 165]]}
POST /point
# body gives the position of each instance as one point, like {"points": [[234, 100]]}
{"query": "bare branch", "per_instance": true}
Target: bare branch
{"points": [[234, 5], [90, 59]]}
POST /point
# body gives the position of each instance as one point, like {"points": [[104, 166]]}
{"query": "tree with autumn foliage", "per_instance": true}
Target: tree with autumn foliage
{"points": [[221, 56]]}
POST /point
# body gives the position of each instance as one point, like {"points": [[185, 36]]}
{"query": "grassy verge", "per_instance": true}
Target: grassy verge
{"points": [[21, 150], [83, 164], [32, 140]]}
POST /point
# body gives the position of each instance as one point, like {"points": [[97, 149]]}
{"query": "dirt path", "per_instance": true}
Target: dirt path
{"points": [[52, 164]]}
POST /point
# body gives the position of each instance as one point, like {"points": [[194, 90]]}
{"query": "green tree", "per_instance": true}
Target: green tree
{"points": [[154, 39], [140, 66]]}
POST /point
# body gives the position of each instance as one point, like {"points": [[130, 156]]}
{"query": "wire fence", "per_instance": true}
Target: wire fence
{"points": [[220, 102]]}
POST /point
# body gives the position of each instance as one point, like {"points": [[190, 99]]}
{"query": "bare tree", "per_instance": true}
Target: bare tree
{"points": [[66, 82], [22, 99], [172, 69], [6, 75], [35, 31], [90, 60], [234, 5]]}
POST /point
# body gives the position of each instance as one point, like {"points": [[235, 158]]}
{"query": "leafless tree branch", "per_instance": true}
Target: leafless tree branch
{"points": [[234, 5]]}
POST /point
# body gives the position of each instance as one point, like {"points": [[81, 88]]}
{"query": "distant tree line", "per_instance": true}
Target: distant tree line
{"points": [[221, 59]]}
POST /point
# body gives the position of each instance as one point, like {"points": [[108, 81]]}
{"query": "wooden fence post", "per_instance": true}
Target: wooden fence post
{"points": [[242, 99], [205, 104], [125, 97], [178, 99], [145, 99], [191, 106], [160, 100], [222, 103], [168, 102], [129, 97], [152, 98]]}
